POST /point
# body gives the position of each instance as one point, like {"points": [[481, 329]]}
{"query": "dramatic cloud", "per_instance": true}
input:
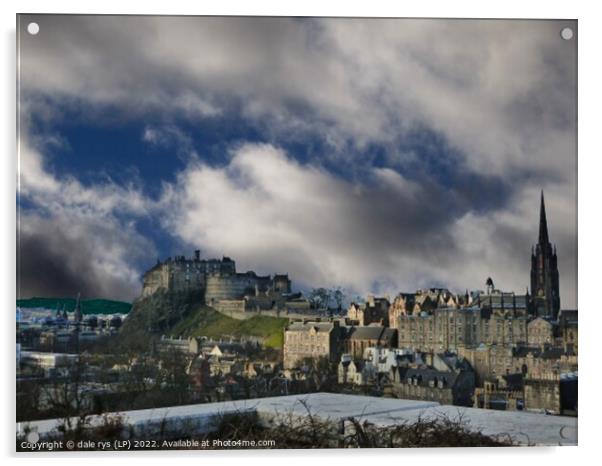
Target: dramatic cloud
{"points": [[62, 256], [426, 142], [384, 235], [75, 238], [502, 91]]}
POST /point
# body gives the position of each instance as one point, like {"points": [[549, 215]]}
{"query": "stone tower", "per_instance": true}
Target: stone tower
{"points": [[544, 271]]}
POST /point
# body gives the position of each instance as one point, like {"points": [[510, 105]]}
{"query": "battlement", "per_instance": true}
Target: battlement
{"points": [[217, 278], [182, 274]]}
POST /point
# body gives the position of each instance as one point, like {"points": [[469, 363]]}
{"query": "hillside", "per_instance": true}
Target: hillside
{"points": [[88, 306], [204, 320], [182, 314]]}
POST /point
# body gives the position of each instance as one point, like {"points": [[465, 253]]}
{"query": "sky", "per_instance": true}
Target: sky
{"points": [[379, 155]]}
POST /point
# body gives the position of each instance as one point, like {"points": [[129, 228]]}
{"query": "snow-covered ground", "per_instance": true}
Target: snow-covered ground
{"points": [[523, 427]]}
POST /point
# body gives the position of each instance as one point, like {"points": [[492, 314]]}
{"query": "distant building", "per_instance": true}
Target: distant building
{"points": [[373, 311], [540, 332], [505, 393], [451, 328], [222, 287], [312, 339], [492, 362], [358, 339], [450, 382], [182, 274], [184, 345], [567, 328]]}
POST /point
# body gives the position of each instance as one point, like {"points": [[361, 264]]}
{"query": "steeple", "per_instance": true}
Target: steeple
{"points": [[545, 289], [543, 224]]}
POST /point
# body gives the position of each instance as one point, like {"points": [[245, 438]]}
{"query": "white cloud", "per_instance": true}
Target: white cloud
{"points": [[83, 234], [274, 215], [502, 93]]}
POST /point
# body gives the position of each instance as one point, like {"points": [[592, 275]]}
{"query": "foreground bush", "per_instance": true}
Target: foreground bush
{"points": [[248, 430]]}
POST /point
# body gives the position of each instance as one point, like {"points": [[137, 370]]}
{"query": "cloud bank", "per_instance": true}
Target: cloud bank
{"points": [[495, 99]]}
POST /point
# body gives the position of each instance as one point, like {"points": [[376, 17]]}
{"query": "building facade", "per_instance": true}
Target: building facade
{"points": [[312, 339], [451, 328]]}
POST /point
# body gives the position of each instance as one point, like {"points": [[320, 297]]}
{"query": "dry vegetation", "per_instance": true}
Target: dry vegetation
{"points": [[288, 431]]}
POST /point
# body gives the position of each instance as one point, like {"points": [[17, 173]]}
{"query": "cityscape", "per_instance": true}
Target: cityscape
{"points": [[487, 349], [295, 233]]}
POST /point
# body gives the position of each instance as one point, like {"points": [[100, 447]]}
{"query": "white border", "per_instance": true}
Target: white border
{"points": [[590, 79]]}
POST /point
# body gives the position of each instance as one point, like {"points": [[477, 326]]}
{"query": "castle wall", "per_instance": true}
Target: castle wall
{"points": [[229, 287], [184, 275], [230, 307], [155, 279]]}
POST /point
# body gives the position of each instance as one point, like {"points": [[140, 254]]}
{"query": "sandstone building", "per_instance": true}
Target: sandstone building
{"points": [[358, 339], [373, 311], [312, 339]]}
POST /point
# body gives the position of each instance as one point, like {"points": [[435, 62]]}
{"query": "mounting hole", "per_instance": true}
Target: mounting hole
{"points": [[33, 28], [566, 33]]}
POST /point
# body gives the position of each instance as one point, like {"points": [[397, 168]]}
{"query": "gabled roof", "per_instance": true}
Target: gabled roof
{"points": [[426, 375], [305, 327], [371, 333], [522, 351]]}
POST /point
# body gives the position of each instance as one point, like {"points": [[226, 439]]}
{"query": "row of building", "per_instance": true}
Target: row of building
{"points": [[441, 329]]}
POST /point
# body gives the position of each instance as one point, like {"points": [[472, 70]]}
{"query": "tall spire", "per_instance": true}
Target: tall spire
{"points": [[543, 224]]}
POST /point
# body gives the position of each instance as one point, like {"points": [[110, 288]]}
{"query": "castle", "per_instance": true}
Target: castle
{"points": [[216, 278]]}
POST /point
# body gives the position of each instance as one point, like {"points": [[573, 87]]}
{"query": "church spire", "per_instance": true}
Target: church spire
{"points": [[545, 290], [543, 224]]}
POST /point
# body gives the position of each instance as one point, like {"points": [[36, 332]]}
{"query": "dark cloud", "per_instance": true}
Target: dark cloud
{"points": [[466, 134], [50, 264]]}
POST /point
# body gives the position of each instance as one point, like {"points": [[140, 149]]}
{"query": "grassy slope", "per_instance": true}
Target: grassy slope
{"points": [[88, 306], [204, 320]]}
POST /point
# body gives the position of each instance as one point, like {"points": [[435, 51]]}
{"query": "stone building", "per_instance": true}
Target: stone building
{"points": [[425, 301], [505, 393], [222, 287], [400, 306], [358, 339], [568, 331], [452, 328], [312, 339], [373, 311], [452, 387], [183, 345], [512, 392], [356, 372], [540, 332], [181, 274], [234, 286], [542, 395], [492, 362]]}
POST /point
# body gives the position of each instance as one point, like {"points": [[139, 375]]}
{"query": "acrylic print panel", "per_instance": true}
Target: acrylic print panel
{"points": [[263, 232]]}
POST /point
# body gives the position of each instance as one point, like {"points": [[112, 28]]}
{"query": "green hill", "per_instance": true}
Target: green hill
{"points": [[88, 306], [184, 315], [204, 320]]}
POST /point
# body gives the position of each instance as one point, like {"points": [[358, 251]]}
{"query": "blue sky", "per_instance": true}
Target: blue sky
{"points": [[344, 152]]}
